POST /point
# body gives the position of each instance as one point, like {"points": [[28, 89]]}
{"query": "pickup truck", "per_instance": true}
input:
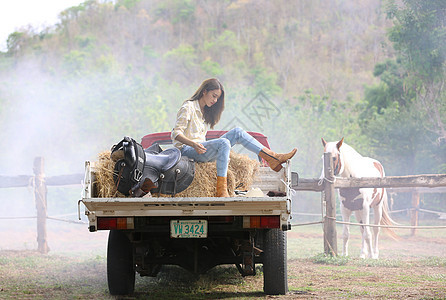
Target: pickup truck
{"points": [[195, 233]]}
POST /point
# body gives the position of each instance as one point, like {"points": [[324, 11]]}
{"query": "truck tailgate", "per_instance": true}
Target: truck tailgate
{"points": [[151, 206]]}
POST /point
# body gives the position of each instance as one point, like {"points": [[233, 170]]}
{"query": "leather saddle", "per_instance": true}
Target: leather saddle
{"points": [[165, 172]]}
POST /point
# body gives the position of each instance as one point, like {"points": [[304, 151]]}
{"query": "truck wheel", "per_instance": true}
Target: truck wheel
{"points": [[275, 262], [120, 271]]}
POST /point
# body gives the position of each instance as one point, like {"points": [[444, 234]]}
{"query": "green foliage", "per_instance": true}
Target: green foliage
{"points": [[226, 42], [393, 76], [106, 64], [265, 81], [126, 3], [212, 68], [75, 62], [304, 122], [73, 12], [399, 139], [176, 10], [402, 116], [418, 33], [85, 41], [15, 41], [402, 113], [184, 58]]}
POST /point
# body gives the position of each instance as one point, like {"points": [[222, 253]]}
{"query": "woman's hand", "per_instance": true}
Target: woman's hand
{"points": [[199, 148]]}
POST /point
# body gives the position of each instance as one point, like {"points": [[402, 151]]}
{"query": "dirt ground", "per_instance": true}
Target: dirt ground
{"points": [[413, 267]]}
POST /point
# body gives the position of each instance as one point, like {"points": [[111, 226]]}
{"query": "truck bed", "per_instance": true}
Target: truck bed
{"points": [[266, 180]]}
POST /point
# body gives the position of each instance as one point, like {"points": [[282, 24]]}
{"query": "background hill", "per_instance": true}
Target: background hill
{"points": [[294, 70]]}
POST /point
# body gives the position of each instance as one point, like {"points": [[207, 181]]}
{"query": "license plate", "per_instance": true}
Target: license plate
{"points": [[188, 228]]}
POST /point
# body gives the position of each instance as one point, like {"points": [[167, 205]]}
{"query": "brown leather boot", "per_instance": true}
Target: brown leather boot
{"points": [[275, 160], [222, 187]]}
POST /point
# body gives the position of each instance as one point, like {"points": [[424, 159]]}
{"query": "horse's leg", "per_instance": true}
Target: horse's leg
{"points": [[363, 217], [377, 219], [359, 218], [346, 213], [378, 212]]}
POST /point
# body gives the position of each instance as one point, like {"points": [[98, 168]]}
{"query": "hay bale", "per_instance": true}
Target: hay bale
{"points": [[204, 182], [244, 170], [104, 184], [241, 174]]}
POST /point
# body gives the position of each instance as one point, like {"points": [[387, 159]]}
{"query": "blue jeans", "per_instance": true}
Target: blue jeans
{"points": [[218, 149]]}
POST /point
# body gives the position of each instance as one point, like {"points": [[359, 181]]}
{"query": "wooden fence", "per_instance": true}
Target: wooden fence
{"points": [[330, 183], [39, 182], [417, 184]]}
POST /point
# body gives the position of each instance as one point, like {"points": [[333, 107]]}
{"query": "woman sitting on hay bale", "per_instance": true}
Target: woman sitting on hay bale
{"points": [[189, 134]]}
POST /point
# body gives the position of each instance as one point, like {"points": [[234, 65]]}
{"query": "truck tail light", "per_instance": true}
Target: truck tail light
{"points": [[109, 223], [221, 220], [261, 222]]}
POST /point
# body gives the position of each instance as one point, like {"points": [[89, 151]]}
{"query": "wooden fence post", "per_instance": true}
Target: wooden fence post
{"points": [[414, 211], [40, 193], [330, 235]]}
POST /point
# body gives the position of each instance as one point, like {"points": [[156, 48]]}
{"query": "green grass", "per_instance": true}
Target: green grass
{"points": [[31, 275], [436, 277], [330, 260], [51, 276], [378, 262], [434, 261]]}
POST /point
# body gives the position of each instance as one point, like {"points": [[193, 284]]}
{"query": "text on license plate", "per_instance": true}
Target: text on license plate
{"points": [[188, 228]]}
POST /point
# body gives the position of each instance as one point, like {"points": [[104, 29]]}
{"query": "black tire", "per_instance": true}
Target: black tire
{"points": [[275, 281], [120, 270]]}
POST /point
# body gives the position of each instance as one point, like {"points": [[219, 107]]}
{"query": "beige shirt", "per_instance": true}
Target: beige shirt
{"points": [[189, 122]]}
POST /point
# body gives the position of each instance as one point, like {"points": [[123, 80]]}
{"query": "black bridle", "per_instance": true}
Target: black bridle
{"points": [[337, 164]]}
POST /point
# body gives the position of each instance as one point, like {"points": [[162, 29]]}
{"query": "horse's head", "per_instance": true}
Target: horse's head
{"points": [[335, 149]]}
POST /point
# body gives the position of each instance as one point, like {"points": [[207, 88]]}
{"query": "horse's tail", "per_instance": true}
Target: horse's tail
{"points": [[387, 220]]}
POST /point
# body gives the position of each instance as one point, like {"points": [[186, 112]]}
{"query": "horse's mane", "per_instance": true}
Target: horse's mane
{"points": [[356, 165], [349, 151]]}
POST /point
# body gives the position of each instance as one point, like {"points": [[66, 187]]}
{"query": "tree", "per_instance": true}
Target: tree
{"points": [[181, 61], [404, 114], [418, 35], [15, 42]]}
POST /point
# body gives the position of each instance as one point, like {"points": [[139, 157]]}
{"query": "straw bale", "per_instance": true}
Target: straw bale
{"points": [[244, 170], [104, 184], [241, 174], [204, 182]]}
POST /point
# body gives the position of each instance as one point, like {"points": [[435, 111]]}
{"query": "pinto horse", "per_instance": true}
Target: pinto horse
{"points": [[347, 162]]}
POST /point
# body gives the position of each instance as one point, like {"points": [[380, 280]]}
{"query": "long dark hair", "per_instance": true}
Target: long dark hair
{"points": [[211, 114]]}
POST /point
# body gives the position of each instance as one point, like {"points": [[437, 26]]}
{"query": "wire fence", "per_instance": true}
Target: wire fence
{"points": [[439, 213], [48, 218]]}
